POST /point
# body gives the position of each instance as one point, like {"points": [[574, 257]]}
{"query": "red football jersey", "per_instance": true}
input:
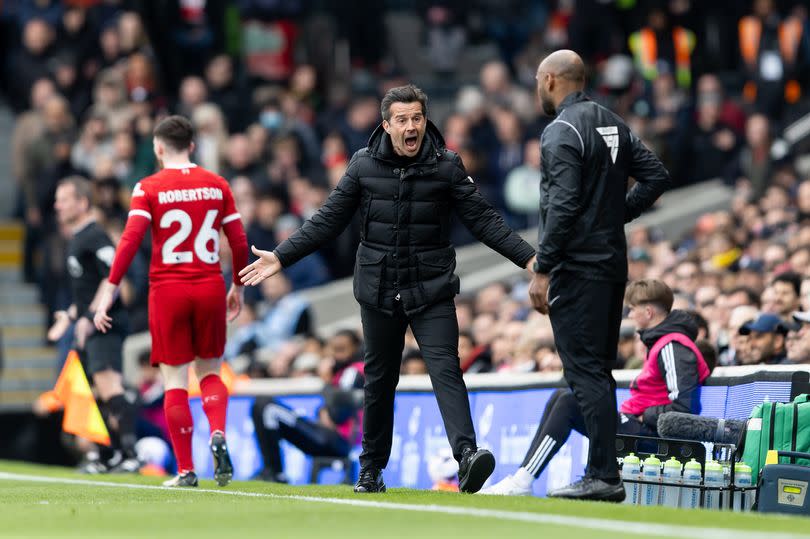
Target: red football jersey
{"points": [[187, 208]]}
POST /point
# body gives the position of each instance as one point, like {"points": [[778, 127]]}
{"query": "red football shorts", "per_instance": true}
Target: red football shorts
{"points": [[187, 321]]}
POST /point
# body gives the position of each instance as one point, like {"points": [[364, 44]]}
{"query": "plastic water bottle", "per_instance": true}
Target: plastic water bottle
{"points": [[690, 491], [743, 478], [713, 478], [672, 474], [631, 469], [651, 474]]}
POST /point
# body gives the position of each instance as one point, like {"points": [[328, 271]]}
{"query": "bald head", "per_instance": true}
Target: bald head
{"points": [[566, 65], [559, 74]]}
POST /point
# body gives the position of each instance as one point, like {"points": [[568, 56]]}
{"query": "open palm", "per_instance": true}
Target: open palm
{"points": [[265, 266]]}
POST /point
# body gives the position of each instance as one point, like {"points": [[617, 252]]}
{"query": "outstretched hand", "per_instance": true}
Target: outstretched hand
{"points": [[265, 266]]}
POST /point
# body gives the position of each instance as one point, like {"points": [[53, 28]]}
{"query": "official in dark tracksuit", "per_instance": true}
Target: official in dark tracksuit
{"points": [[406, 185], [588, 154]]}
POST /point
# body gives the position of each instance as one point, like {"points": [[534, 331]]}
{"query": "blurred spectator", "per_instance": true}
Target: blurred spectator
{"points": [[663, 46], [627, 358], [774, 58], [309, 271], [522, 185], [413, 363], [226, 92], [786, 287], [798, 340], [212, 136], [753, 166], [30, 62], [279, 317], [499, 90], [445, 39], [766, 341], [711, 142]]}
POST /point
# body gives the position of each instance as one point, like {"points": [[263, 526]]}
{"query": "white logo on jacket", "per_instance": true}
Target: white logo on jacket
{"points": [[611, 136]]}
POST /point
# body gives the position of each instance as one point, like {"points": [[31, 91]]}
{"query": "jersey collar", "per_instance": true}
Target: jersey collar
{"points": [[180, 167]]}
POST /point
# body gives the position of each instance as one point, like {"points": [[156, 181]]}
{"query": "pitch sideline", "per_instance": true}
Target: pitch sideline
{"points": [[619, 526]]}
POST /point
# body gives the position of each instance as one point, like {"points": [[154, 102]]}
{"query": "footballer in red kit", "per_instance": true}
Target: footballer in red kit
{"points": [[185, 206]]}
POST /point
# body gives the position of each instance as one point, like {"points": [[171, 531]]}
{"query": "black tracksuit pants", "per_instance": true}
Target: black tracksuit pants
{"points": [[275, 422], [561, 416], [585, 316], [436, 331]]}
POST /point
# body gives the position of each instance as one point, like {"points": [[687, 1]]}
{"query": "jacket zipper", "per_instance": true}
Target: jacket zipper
{"points": [[396, 243]]}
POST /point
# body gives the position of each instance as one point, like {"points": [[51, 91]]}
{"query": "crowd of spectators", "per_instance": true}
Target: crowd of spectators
{"points": [[279, 120]]}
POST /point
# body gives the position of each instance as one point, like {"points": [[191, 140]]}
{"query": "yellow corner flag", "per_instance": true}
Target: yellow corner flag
{"points": [[72, 391]]}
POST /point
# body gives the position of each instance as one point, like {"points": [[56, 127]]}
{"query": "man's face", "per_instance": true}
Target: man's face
{"points": [[641, 315], [343, 348], [785, 298], [797, 344], [406, 126], [687, 276], [763, 346], [69, 207], [544, 84]]}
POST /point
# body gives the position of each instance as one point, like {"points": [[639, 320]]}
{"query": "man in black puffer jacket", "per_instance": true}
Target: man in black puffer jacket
{"points": [[406, 185]]}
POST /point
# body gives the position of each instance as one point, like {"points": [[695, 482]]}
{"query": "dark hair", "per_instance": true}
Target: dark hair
{"points": [[791, 278], [700, 321], [176, 132], [402, 94], [708, 352], [650, 291], [751, 295], [82, 187], [467, 335], [350, 334]]}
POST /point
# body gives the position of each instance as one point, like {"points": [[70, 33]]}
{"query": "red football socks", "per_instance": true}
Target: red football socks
{"points": [[181, 427], [214, 401]]}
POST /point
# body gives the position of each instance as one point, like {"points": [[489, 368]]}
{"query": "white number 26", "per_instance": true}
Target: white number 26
{"points": [[205, 235]]}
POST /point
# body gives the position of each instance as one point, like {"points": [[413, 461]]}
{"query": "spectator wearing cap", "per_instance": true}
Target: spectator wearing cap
{"points": [[798, 339], [638, 263], [766, 340], [786, 294]]}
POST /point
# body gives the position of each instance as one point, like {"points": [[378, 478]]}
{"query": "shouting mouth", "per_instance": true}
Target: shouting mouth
{"points": [[411, 142]]}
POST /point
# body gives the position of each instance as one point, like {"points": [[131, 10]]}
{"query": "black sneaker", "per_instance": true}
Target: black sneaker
{"points": [[223, 469], [188, 479], [370, 480], [589, 488], [474, 469]]}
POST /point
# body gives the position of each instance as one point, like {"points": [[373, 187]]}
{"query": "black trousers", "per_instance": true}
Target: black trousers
{"points": [[561, 416], [275, 422], [586, 316], [436, 331]]}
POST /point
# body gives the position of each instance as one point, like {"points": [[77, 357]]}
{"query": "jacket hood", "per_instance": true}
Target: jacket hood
{"points": [[380, 147], [676, 322]]}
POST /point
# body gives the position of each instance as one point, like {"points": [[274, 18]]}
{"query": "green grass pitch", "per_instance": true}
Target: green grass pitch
{"points": [[39, 501]]}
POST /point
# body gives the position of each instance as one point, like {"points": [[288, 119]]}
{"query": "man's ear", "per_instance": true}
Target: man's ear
{"points": [[386, 126], [191, 148]]}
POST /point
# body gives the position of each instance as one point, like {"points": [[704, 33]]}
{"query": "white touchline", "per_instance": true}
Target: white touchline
{"points": [[619, 526]]}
